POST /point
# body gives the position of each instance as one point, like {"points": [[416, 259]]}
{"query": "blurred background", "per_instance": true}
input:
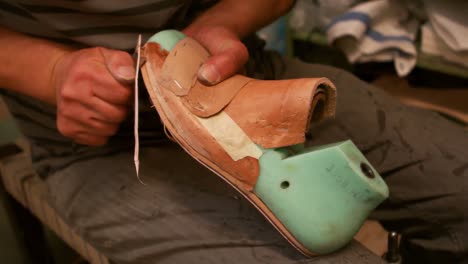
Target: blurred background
{"points": [[417, 50]]}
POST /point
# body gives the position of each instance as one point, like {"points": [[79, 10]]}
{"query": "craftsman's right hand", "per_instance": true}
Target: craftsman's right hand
{"points": [[93, 93]]}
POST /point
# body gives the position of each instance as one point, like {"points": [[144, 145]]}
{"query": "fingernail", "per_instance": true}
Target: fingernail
{"points": [[126, 72], [209, 74]]}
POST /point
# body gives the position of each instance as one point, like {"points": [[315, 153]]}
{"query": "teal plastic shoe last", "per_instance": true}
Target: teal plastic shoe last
{"points": [[321, 195], [318, 198], [167, 39]]}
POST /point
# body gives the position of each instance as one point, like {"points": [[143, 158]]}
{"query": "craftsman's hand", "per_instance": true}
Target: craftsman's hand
{"points": [[229, 54], [221, 27], [93, 93]]}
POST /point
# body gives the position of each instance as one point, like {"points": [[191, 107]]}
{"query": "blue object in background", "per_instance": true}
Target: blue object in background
{"points": [[275, 35]]}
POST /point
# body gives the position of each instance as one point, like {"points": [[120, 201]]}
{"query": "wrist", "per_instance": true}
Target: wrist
{"points": [[54, 72], [28, 64]]}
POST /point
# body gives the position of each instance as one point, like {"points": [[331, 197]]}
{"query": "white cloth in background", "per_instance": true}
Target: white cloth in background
{"points": [[308, 15], [381, 30], [432, 44], [449, 20]]}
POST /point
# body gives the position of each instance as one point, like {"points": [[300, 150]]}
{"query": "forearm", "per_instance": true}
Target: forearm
{"points": [[242, 17], [27, 64]]}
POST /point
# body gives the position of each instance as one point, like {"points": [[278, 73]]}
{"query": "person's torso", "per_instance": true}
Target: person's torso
{"points": [[113, 24]]}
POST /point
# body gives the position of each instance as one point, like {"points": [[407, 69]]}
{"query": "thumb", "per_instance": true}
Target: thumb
{"points": [[119, 64], [226, 61]]}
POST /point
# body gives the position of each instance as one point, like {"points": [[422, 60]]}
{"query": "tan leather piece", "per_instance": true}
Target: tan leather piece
{"points": [[185, 128], [206, 101], [180, 68], [272, 113], [278, 113], [179, 74]]}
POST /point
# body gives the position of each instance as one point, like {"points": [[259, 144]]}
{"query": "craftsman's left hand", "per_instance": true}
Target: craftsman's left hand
{"points": [[229, 54]]}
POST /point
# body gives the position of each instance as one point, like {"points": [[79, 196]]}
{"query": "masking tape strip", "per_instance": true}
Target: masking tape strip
{"points": [[230, 136]]}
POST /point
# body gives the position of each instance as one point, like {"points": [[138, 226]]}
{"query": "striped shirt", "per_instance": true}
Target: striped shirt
{"points": [[113, 24]]}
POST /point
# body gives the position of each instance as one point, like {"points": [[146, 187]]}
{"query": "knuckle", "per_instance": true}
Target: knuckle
{"points": [[74, 88], [93, 54], [67, 92], [82, 74], [86, 66]]}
